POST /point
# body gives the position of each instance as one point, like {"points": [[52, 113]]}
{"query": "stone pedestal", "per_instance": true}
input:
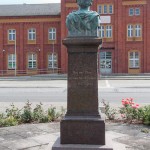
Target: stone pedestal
{"points": [[82, 123], [58, 146]]}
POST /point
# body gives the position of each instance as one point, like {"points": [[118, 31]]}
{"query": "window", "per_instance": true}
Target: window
{"points": [[137, 11], [11, 61], [134, 11], [52, 60], [105, 31], [11, 35], [131, 12], [101, 30], [100, 9], [134, 60], [110, 9], [52, 34], [32, 61], [108, 31], [31, 34], [130, 30], [105, 9], [137, 30]]}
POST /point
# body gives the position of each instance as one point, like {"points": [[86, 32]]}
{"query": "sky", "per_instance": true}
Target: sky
{"points": [[2, 2]]}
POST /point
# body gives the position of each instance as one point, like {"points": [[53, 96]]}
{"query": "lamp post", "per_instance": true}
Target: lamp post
{"points": [[53, 57], [3, 62], [15, 57]]}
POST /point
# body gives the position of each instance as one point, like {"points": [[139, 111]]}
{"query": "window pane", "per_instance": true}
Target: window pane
{"points": [[108, 55], [105, 9], [131, 64], [110, 9], [130, 31], [100, 9], [136, 63], [136, 55], [134, 59], [101, 30], [32, 62], [137, 30], [108, 31], [102, 55], [11, 34], [131, 12], [11, 61], [137, 11], [52, 34], [52, 61], [31, 34], [131, 55]]}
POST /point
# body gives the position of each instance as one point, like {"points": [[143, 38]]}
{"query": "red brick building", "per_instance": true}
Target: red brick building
{"points": [[39, 29], [32, 33]]}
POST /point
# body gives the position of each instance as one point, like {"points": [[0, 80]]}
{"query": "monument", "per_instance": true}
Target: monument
{"points": [[82, 126]]}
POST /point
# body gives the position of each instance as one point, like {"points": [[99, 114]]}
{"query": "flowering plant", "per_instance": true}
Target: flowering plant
{"points": [[129, 102], [129, 111]]}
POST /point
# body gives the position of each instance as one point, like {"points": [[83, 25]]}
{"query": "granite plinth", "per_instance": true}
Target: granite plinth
{"points": [[82, 99], [82, 123], [58, 146], [83, 130]]}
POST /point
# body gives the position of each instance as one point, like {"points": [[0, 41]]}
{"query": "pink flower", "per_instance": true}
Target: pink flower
{"points": [[131, 99], [122, 115], [135, 106]]}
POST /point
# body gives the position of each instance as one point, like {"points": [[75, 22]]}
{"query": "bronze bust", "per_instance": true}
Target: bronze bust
{"points": [[83, 22]]}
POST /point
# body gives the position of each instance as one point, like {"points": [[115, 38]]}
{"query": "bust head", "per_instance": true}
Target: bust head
{"points": [[84, 3]]}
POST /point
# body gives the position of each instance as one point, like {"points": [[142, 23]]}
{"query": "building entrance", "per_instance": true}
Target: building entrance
{"points": [[105, 62]]}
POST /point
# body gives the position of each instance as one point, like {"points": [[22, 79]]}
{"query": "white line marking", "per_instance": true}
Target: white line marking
{"points": [[107, 84]]}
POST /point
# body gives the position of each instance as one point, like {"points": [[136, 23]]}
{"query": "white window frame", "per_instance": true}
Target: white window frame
{"points": [[108, 31], [11, 34], [52, 61], [130, 30], [52, 33], [131, 11], [111, 10], [105, 9], [100, 9], [102, 31], [11, 61], [133, 60], [32, 34], [137, 30], [137, 11], [33, 61]]}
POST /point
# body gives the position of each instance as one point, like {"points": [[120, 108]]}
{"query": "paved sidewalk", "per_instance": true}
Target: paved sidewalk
{"points": [[142, 76], [38, 136]]}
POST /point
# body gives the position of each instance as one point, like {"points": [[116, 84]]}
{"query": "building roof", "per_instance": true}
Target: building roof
{"points": [[30, 9]]}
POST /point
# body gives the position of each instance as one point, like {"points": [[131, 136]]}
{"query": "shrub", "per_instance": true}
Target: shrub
{"points": [[13, 116], [129, 111], [39, 115], [14, 112], [52, 114], [109, 112], [27, 115], [9, 121], [144, 115]]}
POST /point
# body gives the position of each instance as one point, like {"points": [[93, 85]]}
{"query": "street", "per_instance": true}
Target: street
{"points": [[55, 91]]}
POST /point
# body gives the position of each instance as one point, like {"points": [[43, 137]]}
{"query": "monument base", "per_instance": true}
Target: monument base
{"points": [[83, 130], [58, 146]]}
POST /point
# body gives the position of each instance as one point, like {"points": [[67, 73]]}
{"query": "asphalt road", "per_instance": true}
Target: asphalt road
{"points": [[56, 91]]}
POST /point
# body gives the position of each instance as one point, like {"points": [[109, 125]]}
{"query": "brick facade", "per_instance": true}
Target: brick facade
{"points": [[119, 45], [119, 53]]}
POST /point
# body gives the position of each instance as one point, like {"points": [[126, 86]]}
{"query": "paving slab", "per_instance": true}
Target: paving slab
{"points": [[37, 136]]}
